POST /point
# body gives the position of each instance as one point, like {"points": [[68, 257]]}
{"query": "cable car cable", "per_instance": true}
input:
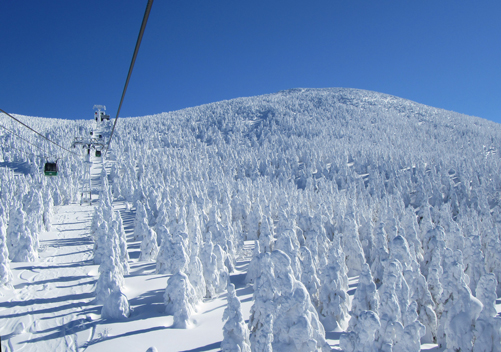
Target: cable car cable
{"points": [[136, 50], [27, 141], [41, 135]]}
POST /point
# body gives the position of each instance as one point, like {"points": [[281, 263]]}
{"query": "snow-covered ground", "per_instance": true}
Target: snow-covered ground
{"points": [[322, 181]]}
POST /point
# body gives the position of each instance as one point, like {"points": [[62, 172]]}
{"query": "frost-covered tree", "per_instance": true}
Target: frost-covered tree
{"points": [[209, 262], [366, 297], [297, 326], [487, 333], [399, 250], [410, 340], [361, 338], [48, 203], [123, 255], [222, 269], [309, 275], [351, 245], [116, 305], [149, 246], [179, 299], [410, 232], [101, 237], [266, 235], [110, 277], [22, 245], [380, 253], [235, 332], [5, 273], [263, 308], [263, 338], [172, 256], [254, 265], [334, 301], [458, 310], [33, 205], [419, 292], [474, 261], [390, 308], [287, 242], [195, 273], [140, 222]]}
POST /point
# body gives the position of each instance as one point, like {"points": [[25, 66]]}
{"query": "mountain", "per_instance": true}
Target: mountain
{"points": [[303, 193]]}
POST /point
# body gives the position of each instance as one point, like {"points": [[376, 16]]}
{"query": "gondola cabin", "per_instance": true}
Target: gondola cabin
{"points": [[98, 153], [50, 169]]}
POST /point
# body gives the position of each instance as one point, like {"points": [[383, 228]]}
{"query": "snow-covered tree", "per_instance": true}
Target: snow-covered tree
{"points": [[235, 332], [410, 340], [123, 255], [309, 275], [179, 298], [22, 246], [380, 253], [487, 333], [474, 261], [172, 256], [266, 235], [334, 301], [263, 308], [5, 273], [116, 305], [458, 310], [140, 222], [390, 308], [110, 277], [351, 245], [361, 338], [366, 297], [149, 246]]}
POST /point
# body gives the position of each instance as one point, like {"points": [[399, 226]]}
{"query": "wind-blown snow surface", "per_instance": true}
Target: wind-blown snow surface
{"points": [[325, 180]]}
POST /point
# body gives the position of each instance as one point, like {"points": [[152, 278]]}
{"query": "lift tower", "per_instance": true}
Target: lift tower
{"points": [[100, 113], [96, 144]]}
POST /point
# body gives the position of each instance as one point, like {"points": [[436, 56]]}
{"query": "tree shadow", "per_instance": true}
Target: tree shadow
{"points": [[73, 253], [212, 346], [140, 269], [69, 242], [333, 335], [147, 305], [247, 290], [72, 327], [57, 280], [130, 333], [45, 301], [17, 167], [60, 266]]}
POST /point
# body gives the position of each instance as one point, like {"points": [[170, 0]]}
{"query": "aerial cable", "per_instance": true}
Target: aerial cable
{"points": [[24, 139], [136, 50], [41, 135]]}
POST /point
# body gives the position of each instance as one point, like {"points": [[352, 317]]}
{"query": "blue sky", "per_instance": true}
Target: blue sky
{"points": [[61, 57]]}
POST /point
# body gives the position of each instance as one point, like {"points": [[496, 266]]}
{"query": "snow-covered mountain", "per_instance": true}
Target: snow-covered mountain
{"points": [[328, 186]]}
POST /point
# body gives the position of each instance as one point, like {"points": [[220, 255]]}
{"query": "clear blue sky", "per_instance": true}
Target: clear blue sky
{"points": [[58, 58]]}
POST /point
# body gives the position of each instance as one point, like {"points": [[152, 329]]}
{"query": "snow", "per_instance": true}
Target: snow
{"points": [[284, 197]]}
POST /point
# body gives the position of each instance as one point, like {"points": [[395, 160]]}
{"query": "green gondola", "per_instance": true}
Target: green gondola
{"points": [[50, 169], [98, 153]]}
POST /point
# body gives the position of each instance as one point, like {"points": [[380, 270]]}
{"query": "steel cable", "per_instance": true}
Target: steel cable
{"points": [[38, 133], [136, 50]]}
